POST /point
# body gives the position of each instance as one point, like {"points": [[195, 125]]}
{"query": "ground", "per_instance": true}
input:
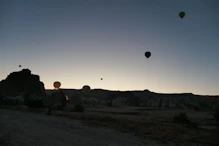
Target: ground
{"points": [[100, 126], [21, 129]]}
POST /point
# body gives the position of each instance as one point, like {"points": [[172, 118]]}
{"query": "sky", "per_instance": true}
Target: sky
{"points": [[78, 42]]}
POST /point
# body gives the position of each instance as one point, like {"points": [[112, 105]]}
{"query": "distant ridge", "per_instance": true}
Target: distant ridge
{"points": [[146, 90]]}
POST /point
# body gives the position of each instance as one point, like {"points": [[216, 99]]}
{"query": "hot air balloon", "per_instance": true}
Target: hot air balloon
{"points": [[147, 54], [56, 85], [86, 89], [19, 65], [181, 14], [101, 78]]}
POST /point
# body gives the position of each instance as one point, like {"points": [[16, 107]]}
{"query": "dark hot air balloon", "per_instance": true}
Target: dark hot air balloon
{"points": [[181, 14], [101, 78], [147, 54], [86, 89], [19, 65]]}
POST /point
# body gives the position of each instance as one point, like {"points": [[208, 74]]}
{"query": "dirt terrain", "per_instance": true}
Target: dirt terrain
{"points": [[100, 126]]}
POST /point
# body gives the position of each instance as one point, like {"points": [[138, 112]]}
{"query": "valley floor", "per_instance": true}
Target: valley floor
{"points": [[31, 129], [34, 128]]}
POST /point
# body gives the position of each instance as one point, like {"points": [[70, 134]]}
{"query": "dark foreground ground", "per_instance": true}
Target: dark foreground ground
{"points": [[31, 129], [96, 127]]}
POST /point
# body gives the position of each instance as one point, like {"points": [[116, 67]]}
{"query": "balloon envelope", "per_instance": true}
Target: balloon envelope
{"points": [[86, 89], [181, 14], [147, 54], [57, 84], [19, 65]]}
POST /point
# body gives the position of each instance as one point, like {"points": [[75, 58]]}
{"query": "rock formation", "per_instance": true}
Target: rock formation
{"points": [[23, 81], [22, 88]]}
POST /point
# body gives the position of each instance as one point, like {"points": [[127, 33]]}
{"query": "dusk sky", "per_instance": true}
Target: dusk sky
{"points": [[78, 42]]}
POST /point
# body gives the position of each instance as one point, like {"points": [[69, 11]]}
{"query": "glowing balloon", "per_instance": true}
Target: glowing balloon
{"points": [[56, 85], [66, 97], [181, 14], [147, 54]]}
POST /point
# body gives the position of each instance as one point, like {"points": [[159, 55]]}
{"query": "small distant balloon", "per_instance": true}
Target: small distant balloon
{"points": [[19, 65], [147, 54], [56, 85], [101, 78], [181, 14]]}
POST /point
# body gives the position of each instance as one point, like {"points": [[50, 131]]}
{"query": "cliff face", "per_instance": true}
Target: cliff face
{"points": [[22, 82]]}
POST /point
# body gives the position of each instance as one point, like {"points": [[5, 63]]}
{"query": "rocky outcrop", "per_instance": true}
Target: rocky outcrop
{"points": [[20, 82], [22, 88]]}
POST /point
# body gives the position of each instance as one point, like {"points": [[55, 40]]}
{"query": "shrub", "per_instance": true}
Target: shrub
{"points": [[110, 97], [197, 108], [109, 103], [61, 105], [58, 106], [181, 118], [78, 108], [1, 98], [32, 103], [9, 102], [35, 104], [216, 114]]}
